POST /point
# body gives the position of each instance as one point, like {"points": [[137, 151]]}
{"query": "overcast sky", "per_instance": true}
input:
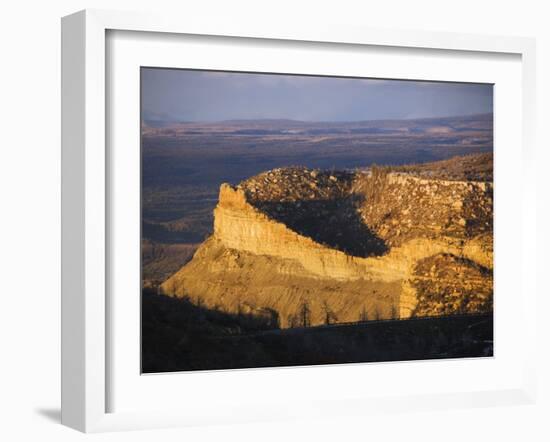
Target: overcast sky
{"points": [[184, 95]]}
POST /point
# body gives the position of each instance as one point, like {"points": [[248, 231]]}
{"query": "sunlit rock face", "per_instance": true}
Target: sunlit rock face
{"points": [[346, 246]]}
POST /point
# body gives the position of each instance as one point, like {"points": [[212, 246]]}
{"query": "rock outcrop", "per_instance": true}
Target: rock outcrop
{"points": [[308, 247]]}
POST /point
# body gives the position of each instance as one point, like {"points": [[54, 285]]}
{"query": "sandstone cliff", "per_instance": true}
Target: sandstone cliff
{"points": [[343, 246]]}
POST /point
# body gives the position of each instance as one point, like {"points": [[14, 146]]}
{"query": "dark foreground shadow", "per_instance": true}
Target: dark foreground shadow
{"points": [[178, 336]]}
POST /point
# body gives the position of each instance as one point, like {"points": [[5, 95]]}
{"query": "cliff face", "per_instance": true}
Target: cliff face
{"points": [[417, 246]]}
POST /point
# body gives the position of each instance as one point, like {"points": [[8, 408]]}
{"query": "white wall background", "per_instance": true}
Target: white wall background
{"points": [[30, 215]]}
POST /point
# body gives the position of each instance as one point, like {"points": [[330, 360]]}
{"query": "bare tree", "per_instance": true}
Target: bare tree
{"points": [[305, 314], [292, 321], [272, 317], [363, 315], [330, 316], [393, 312]]}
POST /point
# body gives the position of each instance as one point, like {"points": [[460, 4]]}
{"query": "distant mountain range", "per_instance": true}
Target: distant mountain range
{"points": [[281, 126]]}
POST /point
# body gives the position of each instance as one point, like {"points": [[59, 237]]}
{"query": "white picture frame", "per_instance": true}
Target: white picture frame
{"points": [[86, 352]]}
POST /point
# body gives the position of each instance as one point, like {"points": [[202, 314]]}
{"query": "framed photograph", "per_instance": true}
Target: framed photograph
{"points": [[300, 220], [268, 222]]}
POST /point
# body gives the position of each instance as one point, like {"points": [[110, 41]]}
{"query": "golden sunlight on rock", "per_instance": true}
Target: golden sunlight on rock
{"points": [[348, 246]]}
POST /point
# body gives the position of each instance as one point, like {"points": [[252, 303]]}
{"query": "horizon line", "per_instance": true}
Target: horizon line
{"points": [[236, 120]]}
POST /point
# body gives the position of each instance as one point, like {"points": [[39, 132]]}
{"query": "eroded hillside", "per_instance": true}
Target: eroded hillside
{"points": [[307, 247]]}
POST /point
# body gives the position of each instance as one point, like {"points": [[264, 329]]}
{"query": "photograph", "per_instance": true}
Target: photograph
{"points": [[296, 220]]}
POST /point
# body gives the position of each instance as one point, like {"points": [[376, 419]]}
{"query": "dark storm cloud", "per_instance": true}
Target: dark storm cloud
{"points": [[181, 95]]}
